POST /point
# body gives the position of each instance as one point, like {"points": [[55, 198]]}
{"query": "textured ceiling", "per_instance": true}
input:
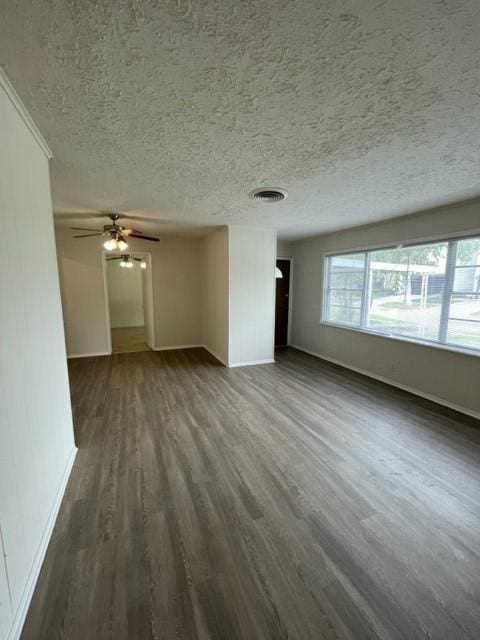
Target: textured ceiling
{"points": [[175, 110]]}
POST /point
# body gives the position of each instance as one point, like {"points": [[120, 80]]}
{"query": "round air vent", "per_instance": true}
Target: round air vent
{"points": [[266, 194]]}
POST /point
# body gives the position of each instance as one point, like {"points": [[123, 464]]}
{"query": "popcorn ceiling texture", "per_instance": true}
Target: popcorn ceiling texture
{"points": [[176, 110]]}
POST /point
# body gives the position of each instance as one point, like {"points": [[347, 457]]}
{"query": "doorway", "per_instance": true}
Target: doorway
{"points": [[283, 275], [129, 301]]}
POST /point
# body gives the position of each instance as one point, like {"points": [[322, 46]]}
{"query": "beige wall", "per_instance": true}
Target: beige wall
{"points": [[284, 249], [177, 291], [217, 291], [36, 435], [83, 294], [453, 378], [215, 294], [125, 295]]}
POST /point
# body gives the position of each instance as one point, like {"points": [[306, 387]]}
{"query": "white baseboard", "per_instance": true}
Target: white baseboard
{"points": [[127, 326], [88, 355], [392, 383], [249, 363], [178, 346], [232, 365], [22, 607]]}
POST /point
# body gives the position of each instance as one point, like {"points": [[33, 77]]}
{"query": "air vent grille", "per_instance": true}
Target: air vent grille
{"points": [[268, 195]]}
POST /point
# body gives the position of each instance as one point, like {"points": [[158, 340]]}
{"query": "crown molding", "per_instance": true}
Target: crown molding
{"points": [[14, 98]]}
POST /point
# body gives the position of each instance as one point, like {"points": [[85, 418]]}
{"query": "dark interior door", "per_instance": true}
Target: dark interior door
{"points": [[281, 304]]}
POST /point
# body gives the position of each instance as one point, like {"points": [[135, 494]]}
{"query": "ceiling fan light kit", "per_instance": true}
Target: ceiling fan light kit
{"points": [[127, 261], [117, 234], [110, 245], [116, 241]]}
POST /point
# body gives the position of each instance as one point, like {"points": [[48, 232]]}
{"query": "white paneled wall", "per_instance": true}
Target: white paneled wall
{"points": [[5, 604], [252, 254], [36, 436]]}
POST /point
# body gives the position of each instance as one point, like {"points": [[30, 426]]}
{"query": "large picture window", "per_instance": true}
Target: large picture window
{"points": [[428, 291]]}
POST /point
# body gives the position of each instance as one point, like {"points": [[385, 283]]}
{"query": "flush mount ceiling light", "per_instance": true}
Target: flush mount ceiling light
{"points": [[268, 194]]}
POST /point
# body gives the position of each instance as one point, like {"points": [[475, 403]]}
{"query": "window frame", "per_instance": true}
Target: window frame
{"points": [[450, 269]]}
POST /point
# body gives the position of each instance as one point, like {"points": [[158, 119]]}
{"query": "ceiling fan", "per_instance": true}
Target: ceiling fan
{"points": [[127, 260], [117, 233]]}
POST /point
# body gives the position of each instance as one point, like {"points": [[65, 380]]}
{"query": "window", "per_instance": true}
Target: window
{"points": [[428, 292], [345, 290]]}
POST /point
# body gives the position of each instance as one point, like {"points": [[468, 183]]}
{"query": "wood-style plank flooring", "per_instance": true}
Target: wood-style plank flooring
{"points": [[294, 500], [129, 340]]}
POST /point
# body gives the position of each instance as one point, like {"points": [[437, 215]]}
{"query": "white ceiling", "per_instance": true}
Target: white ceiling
{"points": [[362, 110]]}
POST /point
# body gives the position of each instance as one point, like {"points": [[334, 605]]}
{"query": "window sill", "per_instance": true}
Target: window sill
{"points": [[399, 338]]}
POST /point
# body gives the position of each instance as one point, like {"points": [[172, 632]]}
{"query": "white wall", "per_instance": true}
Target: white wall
{"points": [[125, 295], [5, 604], [36, 436], [453, 378], [252, 253], [177, 291], [215, 294]]}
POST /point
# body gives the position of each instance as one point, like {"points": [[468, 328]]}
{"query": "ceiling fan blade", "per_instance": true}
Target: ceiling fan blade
{"points": [[89, 235], [115, 258], [83, 229], [128, 232], [143, 237]]}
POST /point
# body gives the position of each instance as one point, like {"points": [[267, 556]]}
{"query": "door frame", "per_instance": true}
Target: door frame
{"points": [[148, 303], [290, 297]]}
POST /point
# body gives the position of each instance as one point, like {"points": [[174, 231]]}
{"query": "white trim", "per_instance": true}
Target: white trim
{"points": [[128, 326], [392, 383], [14, 98], [290, 300], [148, 305], [22, 607], [178, 346], [106, 302], [88, 355], [249, 363], [445, 346], [149, 302], [106, 353], [232, 365]]}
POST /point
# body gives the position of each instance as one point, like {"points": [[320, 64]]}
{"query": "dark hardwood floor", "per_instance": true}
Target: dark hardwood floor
{"points": [[291, 500]]}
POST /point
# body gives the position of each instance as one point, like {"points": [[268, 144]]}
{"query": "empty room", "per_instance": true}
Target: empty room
{"points": [[240, 320]]}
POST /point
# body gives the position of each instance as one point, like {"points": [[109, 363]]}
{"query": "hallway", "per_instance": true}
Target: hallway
{"points": [[129, 340]]}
